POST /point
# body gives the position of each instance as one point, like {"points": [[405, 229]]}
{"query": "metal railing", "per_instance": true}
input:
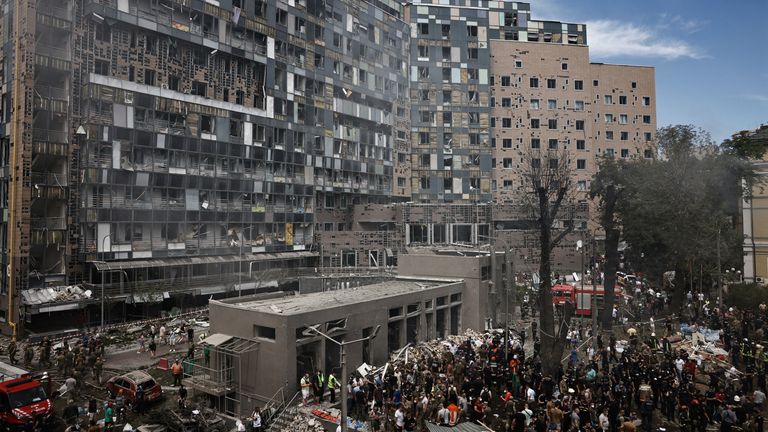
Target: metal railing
{"points": [[281, 413], [50, 135]]}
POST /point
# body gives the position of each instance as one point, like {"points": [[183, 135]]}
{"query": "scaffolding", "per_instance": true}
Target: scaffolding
{"points": [[224, 373]]}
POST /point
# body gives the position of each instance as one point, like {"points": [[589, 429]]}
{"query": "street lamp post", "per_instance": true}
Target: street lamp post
{"points": [[342, 345], [103, 248]]}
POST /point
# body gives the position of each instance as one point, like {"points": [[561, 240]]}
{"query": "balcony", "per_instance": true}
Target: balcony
{"points": [[49, 179], [48, 223], [61, 53], [48, 135], [45, 236]]}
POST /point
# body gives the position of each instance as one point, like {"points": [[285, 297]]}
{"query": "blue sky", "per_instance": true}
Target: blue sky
{"points": [[711, 57]]}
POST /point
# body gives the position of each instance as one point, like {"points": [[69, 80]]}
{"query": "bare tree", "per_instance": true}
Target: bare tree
{"points": [[548, 194]]}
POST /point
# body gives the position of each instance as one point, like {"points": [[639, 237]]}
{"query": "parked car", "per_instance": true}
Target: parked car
{"points": [[129, 382]]}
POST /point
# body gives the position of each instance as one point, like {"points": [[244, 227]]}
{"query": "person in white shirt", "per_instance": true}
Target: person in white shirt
{"points": [[399, 419], [679, 363], [605, 424], [530, 395]]}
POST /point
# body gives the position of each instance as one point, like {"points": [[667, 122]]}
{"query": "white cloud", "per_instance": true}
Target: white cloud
{"points": [[678, 22], [612, 38], [757, 97]]}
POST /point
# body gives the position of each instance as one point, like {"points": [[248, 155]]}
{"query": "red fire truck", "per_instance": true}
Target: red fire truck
{"points": [[23, 402], [580, 297]]}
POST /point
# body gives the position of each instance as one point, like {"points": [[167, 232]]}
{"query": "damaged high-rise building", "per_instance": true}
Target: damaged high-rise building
{"points": [[168, 150], [158, 152]]}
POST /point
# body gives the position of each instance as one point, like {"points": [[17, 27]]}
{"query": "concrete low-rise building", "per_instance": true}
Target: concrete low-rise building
{"points": [[408, 309]]}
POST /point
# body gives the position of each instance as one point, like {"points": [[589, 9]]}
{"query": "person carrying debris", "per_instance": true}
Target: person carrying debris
{"points": [[306, 385]]}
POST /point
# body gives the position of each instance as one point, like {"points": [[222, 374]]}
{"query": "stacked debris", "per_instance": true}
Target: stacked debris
{"points": [[302, 422], [57, 294]]}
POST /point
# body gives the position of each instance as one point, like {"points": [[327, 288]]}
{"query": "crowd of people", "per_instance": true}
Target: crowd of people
{"points": [[642, 383]]}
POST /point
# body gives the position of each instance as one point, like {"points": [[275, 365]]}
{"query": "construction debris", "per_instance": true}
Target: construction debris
{"points": [[302, 422], [58, 294]]}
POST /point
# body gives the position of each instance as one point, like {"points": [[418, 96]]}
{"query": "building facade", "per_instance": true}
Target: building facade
{"points": [[174, 147], [407, 309], [158, 152], [755, 219]]}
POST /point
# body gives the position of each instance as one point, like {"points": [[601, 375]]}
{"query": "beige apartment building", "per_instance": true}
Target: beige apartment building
{"points": [[549, 97]]}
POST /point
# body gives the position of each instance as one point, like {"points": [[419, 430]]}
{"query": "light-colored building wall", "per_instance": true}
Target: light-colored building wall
{"points": [[393, 305], [549, 97], [475, 269]]}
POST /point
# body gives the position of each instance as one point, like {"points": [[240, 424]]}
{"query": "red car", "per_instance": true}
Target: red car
{"points": [[22, 402], [129, 382]]}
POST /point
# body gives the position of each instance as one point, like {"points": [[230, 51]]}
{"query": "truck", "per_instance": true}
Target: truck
{"points": [[581, 297], [23, 403]]}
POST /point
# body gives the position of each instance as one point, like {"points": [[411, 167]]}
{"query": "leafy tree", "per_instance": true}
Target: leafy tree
{"points": [[548, 197], [673, 211], [746, 144], [607, 187]]}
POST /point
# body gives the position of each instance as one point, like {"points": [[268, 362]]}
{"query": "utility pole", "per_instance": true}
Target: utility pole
{"points": [[719, 274], [312, 331], [593, 301], [507, 286], [494, 291]]}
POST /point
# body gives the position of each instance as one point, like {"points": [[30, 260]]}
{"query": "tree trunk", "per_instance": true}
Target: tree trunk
{"points": [[609, 280], [608, 221], [551, 342]]}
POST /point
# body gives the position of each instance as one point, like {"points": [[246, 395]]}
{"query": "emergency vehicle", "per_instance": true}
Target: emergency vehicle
{"points": [[23, 402], [581, 297]]}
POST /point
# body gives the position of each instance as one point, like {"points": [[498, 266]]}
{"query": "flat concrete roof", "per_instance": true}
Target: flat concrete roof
{"points": [[303, 303]]}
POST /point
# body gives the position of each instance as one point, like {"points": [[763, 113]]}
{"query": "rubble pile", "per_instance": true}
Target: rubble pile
{"points": [[302, 422]]}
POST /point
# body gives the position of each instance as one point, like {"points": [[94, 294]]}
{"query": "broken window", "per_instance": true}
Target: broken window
{"points": [[207, 124], [424, 182], [103, 32], [423, 72], [199, 88], [472, 30], [553, 144]]}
